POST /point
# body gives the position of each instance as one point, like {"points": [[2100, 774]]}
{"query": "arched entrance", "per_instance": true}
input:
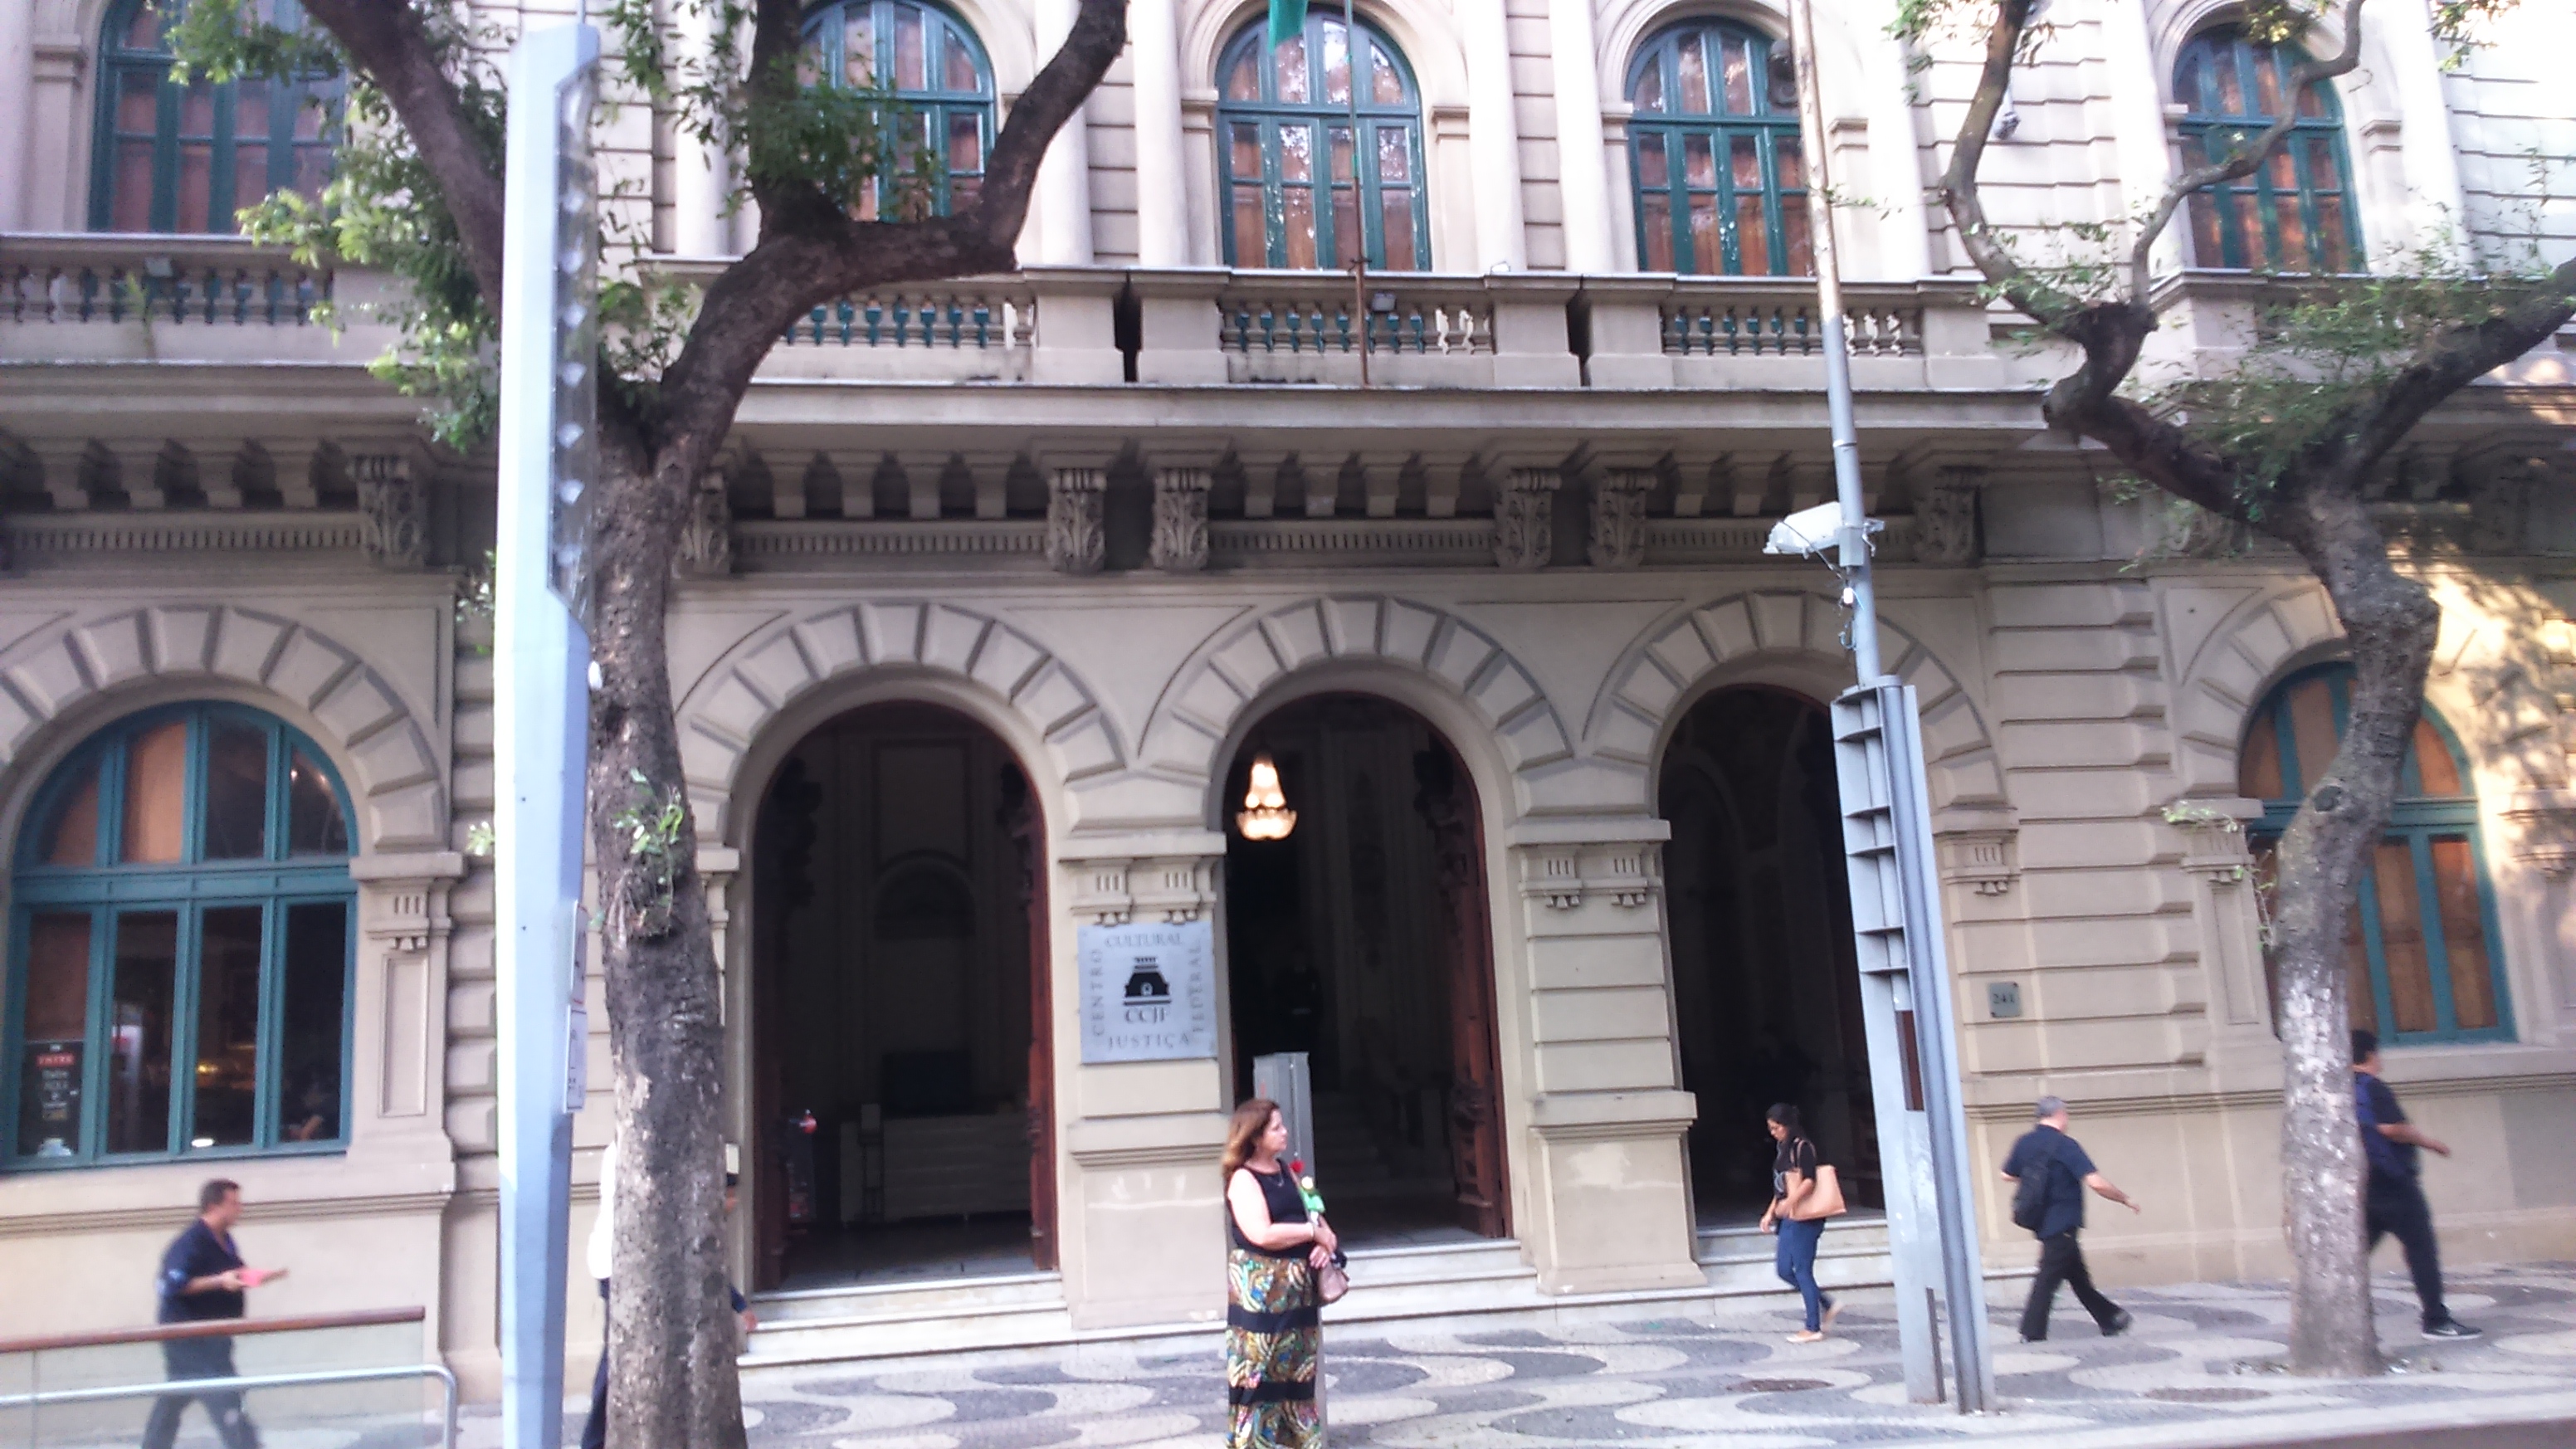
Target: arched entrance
{"points": [[1766, 995], [1363, 939], [899, 952]]}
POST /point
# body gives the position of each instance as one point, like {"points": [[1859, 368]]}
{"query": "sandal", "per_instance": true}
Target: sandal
{"points": [[1806, 1335]]}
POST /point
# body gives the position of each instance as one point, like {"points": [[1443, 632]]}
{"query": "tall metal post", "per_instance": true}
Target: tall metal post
{"points": [[1896, 905], [549, 348]]}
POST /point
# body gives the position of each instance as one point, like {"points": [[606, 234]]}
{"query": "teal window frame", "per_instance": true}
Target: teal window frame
{"points": [[2416, 819], [187, 888], [2311, 173], [939, 105], [1675, 133], [1318, 117], [120, 64]]}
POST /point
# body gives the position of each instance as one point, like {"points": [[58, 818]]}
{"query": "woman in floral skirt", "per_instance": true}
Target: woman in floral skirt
{"points": [[1271, 1333]]}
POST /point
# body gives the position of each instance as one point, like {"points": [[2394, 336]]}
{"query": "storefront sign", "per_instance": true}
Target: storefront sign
{"points": [[1148, 992]]}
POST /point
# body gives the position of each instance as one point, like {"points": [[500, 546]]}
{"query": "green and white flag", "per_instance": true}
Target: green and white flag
{"points": [[1287, 18]]}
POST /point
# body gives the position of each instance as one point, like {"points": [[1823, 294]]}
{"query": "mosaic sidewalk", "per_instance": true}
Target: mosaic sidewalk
{"points": [[1729, 1379]]}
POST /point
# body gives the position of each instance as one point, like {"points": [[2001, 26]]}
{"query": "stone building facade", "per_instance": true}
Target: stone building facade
{"points": [[1006, 581]]}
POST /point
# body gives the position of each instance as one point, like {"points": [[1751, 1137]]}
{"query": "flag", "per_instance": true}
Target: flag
{"points": [[1287, 18]]}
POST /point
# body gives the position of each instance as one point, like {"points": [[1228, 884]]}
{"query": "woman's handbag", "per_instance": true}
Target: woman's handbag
{"points": [[1333, 1280], [1824, 1197]]}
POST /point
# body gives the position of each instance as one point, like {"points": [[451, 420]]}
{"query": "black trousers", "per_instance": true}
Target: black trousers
{"points": [[2061, 1261], [594, 1430], [200, 1358], [2396, 1205]]}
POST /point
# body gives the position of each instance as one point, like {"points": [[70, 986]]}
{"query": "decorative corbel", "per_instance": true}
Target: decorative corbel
{"points": [[1076, 539]]}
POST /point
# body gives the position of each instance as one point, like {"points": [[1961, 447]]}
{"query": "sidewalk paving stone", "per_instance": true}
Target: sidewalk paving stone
{"points": [[1723, 1375]]}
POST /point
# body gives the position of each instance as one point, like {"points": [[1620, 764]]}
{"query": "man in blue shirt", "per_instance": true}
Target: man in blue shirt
{"points": [[202, 1280], [2059, 1172], [2394, 1201]]}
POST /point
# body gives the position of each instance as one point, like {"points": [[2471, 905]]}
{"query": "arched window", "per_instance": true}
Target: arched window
{"points": [[929, 61], [1721, 185], [2294, 214], [180, 946], [187, 158], [1281, 112], [2422, 950]]}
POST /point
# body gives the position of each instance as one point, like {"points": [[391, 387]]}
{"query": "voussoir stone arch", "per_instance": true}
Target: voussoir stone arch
{"points": [[1680, 656], [2480, 685], [56, 683], [772, 669], [1199, 712]]}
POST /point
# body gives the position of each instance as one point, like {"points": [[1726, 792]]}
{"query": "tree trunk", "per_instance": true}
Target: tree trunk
{"points": [[673, 1379], [2391, 623]]}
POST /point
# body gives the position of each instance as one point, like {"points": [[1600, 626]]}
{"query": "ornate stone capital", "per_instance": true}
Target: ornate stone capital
{"points": [[410, 890], [706, 540], [1180, 520], [1524, 519], [1116, 890], [1619, 518], [1987, 861], [393, 505], [1945, 520], [1076, 542]]}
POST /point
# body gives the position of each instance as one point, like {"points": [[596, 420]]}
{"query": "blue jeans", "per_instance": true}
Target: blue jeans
{"points": [[1796, 1263]]}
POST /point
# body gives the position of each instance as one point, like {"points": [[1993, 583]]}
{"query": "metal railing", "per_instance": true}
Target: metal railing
{"points": [[37, 1401], [27, 1408]]}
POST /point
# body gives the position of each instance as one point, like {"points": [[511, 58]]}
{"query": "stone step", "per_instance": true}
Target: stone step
{"points": [[1446, 1278], [1853, 1254], [898, 1319]]}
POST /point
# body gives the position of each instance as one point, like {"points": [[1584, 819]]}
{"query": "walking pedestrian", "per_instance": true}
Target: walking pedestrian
{"points": [[202, 1281], [1273, 1335], [2050, 1172], [1798, 1214], [2393, 1200]]}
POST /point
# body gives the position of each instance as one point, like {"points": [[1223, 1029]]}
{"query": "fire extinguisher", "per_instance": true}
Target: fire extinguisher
{"points": [[799, 1153]]}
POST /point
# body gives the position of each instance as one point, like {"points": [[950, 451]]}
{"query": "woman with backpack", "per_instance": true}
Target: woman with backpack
{"points": [[1804, 1193]]}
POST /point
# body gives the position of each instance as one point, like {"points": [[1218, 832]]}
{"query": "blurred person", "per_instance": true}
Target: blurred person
{"points": [[2050, 1171], [203, 1280], [2393, 1199]]}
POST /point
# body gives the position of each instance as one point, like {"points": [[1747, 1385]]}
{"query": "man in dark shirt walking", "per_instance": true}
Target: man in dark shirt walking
{"points": [[2394, 1200], [2059, 1171], [202, 1279]]}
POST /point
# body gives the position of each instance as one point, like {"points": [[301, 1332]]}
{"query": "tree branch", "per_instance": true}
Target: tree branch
{"points": [[809, 255], [1053, 97], [2244, 162], [2458, 355], [1968, 152], [392, 46]]}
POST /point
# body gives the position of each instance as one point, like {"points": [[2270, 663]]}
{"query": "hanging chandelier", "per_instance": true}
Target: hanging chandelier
{"points": [[1265, 814]]}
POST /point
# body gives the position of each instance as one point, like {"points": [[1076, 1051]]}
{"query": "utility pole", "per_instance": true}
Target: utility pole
{"points": [[1895, 898], [548, 460]]}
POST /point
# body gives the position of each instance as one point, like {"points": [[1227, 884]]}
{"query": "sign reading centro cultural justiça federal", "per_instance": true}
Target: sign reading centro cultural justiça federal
{"points": [[1148, 992]]}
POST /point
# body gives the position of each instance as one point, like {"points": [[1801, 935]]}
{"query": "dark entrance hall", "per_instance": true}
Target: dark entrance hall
{"points": [[901, 1095], [1765, 992], [1362, 939]]}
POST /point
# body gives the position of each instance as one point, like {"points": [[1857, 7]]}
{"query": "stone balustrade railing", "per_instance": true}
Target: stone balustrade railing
{"points": [[85, 297], [80, 296]]}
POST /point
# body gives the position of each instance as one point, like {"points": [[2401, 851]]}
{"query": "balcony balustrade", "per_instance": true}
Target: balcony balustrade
{"points": [[92, 297]]}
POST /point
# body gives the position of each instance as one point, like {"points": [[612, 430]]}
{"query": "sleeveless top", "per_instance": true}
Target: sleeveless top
{"points": [[1279, 1193]]}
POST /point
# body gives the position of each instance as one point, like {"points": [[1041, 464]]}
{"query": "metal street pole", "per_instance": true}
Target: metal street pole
{"points": [[549, 347], [1896, 906]]}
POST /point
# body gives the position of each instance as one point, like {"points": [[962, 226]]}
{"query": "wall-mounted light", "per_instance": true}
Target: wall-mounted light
{"points": [[1265, 814]]}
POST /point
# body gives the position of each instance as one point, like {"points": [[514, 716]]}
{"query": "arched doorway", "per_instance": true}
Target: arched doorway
{"points": [[1766, 996], [1362, 939], [899, 959]]}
